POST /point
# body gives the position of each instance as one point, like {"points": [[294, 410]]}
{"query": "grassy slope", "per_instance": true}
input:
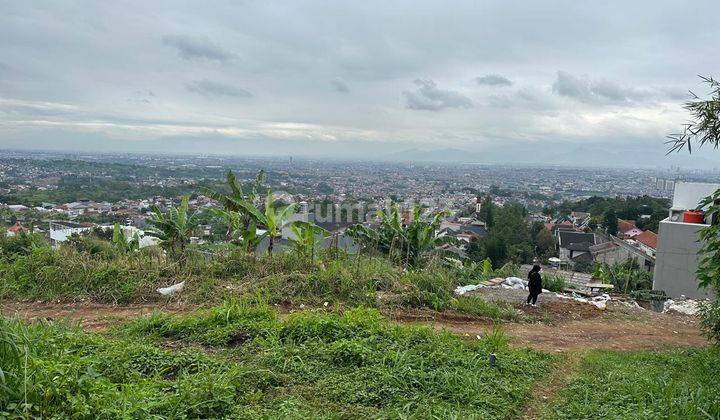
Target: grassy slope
{"points": [[253, 365], [98, 273], [680, 384]]}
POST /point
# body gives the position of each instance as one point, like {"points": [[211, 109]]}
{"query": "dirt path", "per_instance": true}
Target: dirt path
{"points": [[644, 330], [91, 316], [546, 390]]}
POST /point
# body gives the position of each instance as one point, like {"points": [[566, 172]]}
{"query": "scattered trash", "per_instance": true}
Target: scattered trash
{"points": [[461, 290], [171, 290], [599, 302], [683, 306]]}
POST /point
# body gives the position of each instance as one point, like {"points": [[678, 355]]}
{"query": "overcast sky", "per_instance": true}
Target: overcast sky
{"points": [[505, 80]]}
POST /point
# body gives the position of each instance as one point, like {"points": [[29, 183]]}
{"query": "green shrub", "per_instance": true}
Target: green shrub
{"points": [[710, 320], [234, 323], [554, 283]]}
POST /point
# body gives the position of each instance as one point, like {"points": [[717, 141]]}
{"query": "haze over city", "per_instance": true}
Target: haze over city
{"points": [[560, 83]]}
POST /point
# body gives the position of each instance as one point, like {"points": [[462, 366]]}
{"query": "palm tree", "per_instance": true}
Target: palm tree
{"points": [[174, 228]]}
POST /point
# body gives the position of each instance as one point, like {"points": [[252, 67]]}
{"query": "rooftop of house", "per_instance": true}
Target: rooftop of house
{"points": [[647, 238], [625, 225], [566, 238]]}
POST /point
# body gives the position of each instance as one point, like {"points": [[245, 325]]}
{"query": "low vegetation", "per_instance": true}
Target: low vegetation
{"points": [[308, 365], [680, 384], [554, 283], [625, 276], [93, 269]]}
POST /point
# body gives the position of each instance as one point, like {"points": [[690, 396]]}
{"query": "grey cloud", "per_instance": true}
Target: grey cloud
{"points": [[190, 48], [493, 80], [147, 92], [427, 97], [340, 86], [211, 88], [593, 91]]}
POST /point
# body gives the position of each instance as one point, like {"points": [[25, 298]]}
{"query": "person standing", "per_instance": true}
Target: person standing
{"points": [[534, 285]]}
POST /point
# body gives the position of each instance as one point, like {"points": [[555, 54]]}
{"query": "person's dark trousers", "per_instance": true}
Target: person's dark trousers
{"points": [[532, 297]]}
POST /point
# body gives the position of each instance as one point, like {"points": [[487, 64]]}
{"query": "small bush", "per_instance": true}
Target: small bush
{"points": [[554, 283], [233, 323], [710, 320]]}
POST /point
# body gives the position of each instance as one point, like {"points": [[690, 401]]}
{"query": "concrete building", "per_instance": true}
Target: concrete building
{"points": [[677, 247], [575, 246], [617, 250]]}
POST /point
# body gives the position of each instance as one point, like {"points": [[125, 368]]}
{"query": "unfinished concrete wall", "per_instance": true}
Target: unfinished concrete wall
{"points": [[677, 260]]}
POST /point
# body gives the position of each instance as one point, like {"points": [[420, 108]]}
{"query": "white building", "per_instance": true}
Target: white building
{"points": [[677, 250]]}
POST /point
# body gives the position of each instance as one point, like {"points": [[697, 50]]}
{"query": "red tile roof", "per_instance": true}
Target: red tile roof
{"points": [[648, 238], [625, 225]]}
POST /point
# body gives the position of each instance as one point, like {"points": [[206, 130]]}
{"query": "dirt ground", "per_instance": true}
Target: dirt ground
{"points": [[572, 325], [92, 317]]}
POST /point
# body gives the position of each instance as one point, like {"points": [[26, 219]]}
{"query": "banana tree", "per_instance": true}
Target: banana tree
{"points": [[233, 210], [305, 239], [422, 239], [124, 243], [408, 245], [173, 228], [272, 219]]}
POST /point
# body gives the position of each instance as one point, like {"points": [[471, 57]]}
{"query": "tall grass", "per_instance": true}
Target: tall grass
{"points": [[88, 271]]}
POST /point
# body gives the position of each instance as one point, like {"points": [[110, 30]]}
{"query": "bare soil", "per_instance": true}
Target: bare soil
{"points": [[607, 330], [573, 325], [92, 317]]}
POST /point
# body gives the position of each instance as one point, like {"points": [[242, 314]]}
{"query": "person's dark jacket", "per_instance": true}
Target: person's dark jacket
{"points": [[534, 283]]}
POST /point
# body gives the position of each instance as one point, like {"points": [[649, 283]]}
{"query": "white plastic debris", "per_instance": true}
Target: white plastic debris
{"points": [[515, 283], [171, 290], [683, 306], [599, 302], [461, 290]]}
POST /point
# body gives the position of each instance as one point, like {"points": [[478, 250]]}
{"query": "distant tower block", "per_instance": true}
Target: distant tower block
{"points": [[478, 204], [303, 207]]}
